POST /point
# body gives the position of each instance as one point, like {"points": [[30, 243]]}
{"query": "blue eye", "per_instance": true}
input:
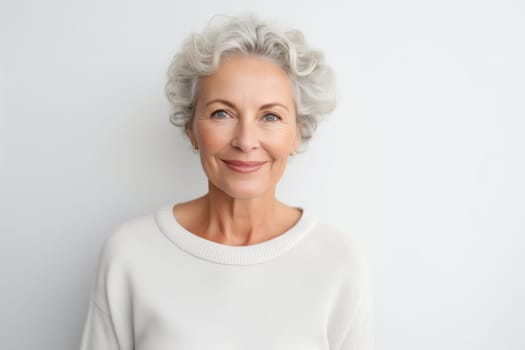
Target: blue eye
{"points": [[219, 114], [270, 117]]}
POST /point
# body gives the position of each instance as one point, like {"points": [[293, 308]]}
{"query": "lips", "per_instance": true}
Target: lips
{"points": [[243, 166]]}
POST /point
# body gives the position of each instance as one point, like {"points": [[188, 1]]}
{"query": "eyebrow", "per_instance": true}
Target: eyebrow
{"points": [[229, 104]]}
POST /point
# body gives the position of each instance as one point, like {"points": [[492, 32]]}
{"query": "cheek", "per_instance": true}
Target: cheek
{"points": [[212, 140], [281, 144]]}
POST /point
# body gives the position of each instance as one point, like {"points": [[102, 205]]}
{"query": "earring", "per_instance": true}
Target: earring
{"points": [[195, 148], [293, 154]]}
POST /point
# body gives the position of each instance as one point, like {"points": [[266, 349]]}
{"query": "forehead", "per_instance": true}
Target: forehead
{"points": [[244, 79]]}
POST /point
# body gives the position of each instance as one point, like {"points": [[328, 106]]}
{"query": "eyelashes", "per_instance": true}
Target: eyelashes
{"points": [[221, 114], [271, 117]]}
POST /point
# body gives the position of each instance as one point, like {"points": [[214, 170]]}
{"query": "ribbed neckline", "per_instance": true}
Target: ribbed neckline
{"points": [[227, 254]]}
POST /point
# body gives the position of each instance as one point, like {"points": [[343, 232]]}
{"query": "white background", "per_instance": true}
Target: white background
{"points": [[423, 160]]}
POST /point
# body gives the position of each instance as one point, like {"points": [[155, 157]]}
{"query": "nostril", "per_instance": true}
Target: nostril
{"points": [[246, 137]]}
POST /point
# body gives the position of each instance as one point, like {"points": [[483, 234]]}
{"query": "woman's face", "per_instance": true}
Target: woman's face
{"points": [[245, 126]]}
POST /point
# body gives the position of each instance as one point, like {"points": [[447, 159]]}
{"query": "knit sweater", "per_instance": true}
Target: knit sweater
{"points": [[161, 287]]}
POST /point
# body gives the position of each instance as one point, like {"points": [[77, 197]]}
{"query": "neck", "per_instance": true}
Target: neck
{"points": [[241, 221]]}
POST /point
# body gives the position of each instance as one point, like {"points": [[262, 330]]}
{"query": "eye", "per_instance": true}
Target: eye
{"points": [[219, 114], [270, 117]]}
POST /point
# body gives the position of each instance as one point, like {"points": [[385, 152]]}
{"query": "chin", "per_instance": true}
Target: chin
{"points": [[244, 191]]}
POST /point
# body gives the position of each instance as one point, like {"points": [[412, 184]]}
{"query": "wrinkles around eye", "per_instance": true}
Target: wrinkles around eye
{"points": [[273, 117], [220, 114]]}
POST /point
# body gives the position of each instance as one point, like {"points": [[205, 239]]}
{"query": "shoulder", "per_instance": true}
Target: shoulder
{"points": [[338, 241], [129, 238], [118, 258], [341, 250], [349, 257]]}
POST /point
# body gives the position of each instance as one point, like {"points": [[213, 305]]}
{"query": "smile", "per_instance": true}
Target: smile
{"points": [[243, 167]]}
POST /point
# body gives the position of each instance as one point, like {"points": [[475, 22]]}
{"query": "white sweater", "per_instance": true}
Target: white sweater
{"points": [[161, 287]]}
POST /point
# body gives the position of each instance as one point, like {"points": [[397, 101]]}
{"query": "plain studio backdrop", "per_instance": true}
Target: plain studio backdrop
{"points": [[423, 161]]}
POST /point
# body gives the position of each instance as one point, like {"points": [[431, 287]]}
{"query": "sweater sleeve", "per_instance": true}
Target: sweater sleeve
{"points": [[109, 324], [99, 332], [360, 334]]}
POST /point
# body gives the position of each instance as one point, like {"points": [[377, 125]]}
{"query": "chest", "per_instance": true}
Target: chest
{"points": [[220, 307]]}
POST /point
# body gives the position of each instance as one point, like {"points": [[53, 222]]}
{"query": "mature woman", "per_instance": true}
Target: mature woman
{"points": [[236, 268]]}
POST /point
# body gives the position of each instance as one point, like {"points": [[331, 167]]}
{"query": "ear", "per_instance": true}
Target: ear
{"points": [[298, 136], [190, 132]]}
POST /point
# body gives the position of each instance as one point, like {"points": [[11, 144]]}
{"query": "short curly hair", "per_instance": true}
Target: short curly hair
{"points": [[201, 54]]}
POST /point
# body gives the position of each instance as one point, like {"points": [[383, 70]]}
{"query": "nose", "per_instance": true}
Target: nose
{"points": [[246, 136]]}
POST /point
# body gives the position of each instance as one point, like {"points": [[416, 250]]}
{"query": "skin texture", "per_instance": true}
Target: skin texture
{"points": [[245, 112]]}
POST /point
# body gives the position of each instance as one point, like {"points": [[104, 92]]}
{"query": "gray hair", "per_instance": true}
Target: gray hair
{"points": [[201, 54]]}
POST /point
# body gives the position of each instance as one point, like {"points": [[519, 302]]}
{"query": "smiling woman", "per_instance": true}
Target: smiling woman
{"points": [[245, 127], [236, 268]]}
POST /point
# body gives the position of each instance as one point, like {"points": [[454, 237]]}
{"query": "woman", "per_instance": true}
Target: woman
{"points": [[236, 268]]}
